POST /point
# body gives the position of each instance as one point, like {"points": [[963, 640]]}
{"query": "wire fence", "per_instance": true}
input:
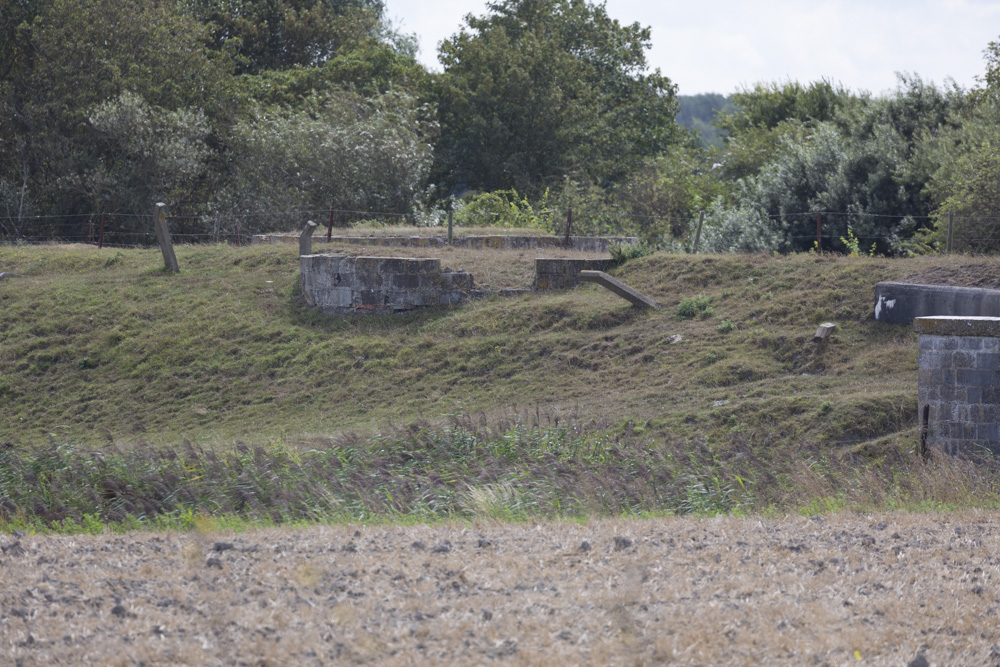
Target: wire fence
{"points": [[820, 230], [123, 230]]}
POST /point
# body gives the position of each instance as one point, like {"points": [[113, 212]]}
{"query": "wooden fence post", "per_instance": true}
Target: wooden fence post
{"points": [[451, 220], [305, 238], [163, 236], [697, 233], [100, 235], [329, 227], [819, 233]]}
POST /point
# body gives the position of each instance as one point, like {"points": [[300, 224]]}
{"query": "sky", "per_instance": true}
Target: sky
{"points": [[721, 46]]}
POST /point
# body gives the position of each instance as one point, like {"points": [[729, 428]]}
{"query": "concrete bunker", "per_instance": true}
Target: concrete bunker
{"points": [[901, 303], [349, 285], [959, 383], [345, 284]]}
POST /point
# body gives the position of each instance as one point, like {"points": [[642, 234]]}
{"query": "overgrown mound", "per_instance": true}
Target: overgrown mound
{"points": [[105, 354]]}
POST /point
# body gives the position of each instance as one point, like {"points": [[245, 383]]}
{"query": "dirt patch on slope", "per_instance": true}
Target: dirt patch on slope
{"points": [[883, 589]]}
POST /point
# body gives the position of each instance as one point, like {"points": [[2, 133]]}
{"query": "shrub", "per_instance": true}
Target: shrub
{"points": [[623, 252], [697, 306], [504, 208]]}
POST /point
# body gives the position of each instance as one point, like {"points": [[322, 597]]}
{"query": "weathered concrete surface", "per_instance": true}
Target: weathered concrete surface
{"points": [[901, 303], [596, 244], [619, 288], [959, 383], [355, 285], [951, 325], [556, 273]]}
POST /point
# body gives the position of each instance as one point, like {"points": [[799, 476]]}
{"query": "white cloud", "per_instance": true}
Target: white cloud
{"points": [[717, 46]]}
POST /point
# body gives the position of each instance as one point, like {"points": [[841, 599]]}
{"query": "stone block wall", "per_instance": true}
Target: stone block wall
{"points": [[959, 383], [347, 285], [343, 284], [551, 273]]}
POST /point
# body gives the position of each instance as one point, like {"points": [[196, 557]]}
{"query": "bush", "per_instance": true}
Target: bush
{"points": [[623, 252], [504, 208], [697, 306]]}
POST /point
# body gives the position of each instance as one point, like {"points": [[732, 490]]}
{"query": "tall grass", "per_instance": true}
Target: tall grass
{"points": [[464, 468], [674, 412]]}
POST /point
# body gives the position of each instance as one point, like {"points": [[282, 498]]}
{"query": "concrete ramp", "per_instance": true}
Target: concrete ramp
{"points": [[619, 288]]}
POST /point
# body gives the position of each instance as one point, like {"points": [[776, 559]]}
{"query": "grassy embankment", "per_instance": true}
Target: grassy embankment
{"points": [[130, 395]]}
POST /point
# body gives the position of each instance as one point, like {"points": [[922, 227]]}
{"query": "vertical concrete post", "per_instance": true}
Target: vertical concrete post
{"points": [[569, 225], [305, 238], [163, 237], [697, 233]]}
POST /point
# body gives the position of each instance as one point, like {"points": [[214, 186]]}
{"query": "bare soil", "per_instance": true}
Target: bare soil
{"points": [[880, 589]]}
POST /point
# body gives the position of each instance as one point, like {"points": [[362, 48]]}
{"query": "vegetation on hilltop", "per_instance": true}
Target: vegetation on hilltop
{"points": [[260, 114]]}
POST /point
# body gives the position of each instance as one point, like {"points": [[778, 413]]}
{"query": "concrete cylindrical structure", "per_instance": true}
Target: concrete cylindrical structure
{"points": [[959, 383]]}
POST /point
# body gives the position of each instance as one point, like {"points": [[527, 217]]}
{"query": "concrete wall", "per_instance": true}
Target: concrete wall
{"points": [[338, 283], [349, 285], [565, 273], [901, 303], [596, 244], [959, 383]]}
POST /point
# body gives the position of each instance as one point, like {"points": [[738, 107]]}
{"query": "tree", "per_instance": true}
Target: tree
{"points": [[961, 166], [77, 54], [281, 34], [146, 154], [362, 154], [665, 192], [761, 115], [540, 89]]}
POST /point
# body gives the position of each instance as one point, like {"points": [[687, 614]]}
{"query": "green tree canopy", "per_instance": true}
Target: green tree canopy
{"points": [[855, 156], [539, 89], [279, 34]]}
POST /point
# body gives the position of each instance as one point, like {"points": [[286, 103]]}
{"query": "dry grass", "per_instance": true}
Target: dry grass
{"points": [[881, 589]]}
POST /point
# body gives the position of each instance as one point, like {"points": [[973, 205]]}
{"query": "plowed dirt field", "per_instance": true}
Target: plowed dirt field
{"points": [[918, 589]]}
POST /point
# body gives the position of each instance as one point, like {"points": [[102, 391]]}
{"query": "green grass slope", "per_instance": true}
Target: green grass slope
{"points": [[103, 349]]}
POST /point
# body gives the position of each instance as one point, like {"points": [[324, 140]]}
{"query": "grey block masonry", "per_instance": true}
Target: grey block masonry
{"points": [[351, 285], [347, 285], [959, 383]]}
